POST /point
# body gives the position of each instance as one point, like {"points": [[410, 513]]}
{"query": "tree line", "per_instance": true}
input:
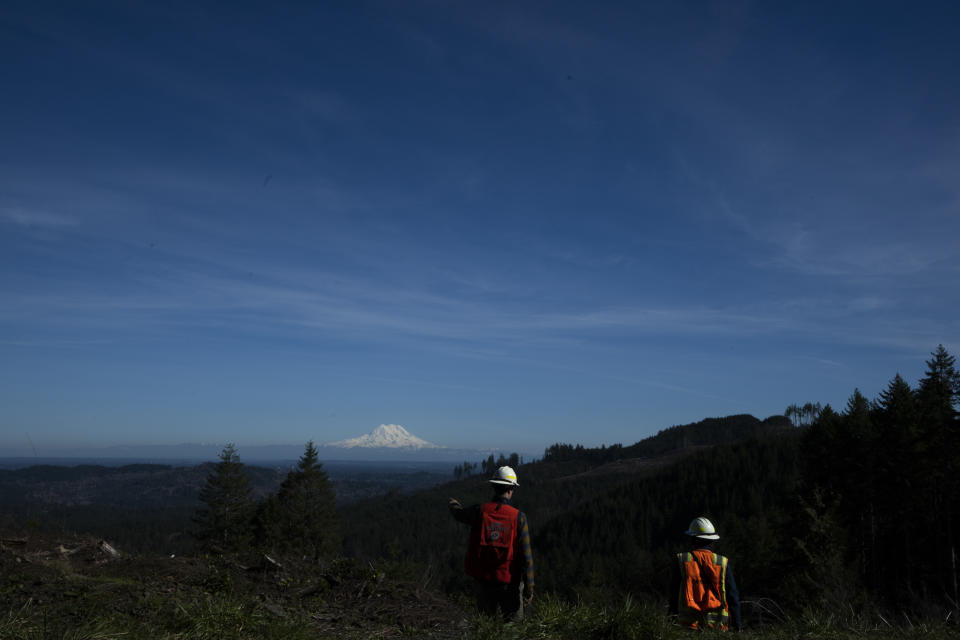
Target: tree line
{"points": [[487, 466], [860, 506], [299, 518], [882, 486], [814, 506]]}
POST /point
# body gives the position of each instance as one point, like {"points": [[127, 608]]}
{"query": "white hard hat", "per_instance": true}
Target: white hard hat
{"points": [[505, 475], [702, 528]]}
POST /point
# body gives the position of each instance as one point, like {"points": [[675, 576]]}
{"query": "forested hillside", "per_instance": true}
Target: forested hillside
{"points": [[858, 507], [603, 517], [149, 507], [626, 537], [842, 523]]}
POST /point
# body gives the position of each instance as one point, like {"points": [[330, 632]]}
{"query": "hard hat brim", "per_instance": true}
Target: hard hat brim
{"points": [[505, 482], [703, 536]]}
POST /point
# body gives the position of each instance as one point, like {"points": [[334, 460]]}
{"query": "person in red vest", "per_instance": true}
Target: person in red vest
{"points": [[499, 555], [703, 593]]}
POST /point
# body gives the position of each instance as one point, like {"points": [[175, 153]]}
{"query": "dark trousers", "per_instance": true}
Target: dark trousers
{"points": [[508, 597]]}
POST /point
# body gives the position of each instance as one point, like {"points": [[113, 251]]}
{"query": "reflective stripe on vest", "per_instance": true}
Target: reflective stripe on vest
{"points": [[702, 601]]}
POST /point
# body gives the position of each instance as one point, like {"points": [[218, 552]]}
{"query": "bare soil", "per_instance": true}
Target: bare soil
{"points": [[66, 578]]}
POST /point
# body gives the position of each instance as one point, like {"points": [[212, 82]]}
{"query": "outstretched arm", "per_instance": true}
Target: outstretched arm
{"points": [[466, 516]]}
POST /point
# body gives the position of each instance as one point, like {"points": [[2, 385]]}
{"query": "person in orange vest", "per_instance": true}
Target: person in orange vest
{"points": [[499, 556], [703, 593]]}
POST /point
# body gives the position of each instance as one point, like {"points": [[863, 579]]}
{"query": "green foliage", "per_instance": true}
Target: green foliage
{"points": [[623, 619], [826, 576], [302, 517], [554, 618], [625, 539], [887, 469], [597, 533], [225, 523], [220, 618], [850, 517], [855, 509]]}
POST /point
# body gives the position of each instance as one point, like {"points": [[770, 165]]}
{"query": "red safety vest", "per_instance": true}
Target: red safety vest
{"points": [[703, 590], [490, 553]]}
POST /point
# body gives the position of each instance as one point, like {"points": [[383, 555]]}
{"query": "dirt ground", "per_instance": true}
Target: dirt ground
{"points": [[64, 578]]}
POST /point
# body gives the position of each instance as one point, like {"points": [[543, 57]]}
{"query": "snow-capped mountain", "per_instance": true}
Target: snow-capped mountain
{"points": [[386, 436]]}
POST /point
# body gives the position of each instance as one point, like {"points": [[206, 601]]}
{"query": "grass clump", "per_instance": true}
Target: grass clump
{"points": [[553, 618]]}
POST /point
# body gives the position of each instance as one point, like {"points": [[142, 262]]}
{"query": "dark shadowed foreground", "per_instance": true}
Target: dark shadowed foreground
{"points": [[76, 587], [79, 588]]}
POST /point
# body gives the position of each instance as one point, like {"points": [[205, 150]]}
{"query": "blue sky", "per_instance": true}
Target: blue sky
{"points": [[496, 224]]}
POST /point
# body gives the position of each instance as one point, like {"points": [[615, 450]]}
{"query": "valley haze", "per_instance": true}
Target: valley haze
{"points": [[386, 443]]}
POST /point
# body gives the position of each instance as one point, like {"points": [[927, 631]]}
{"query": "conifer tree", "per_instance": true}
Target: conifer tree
{"points": [[893, 469], [224, 522], [306, 509], [820, 449], [899, 483], [489, 465], [854, 469], [938, 399], [939, 393], [267, 522]]}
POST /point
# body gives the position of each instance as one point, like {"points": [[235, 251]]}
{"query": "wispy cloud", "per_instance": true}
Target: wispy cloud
{"points": [[322, 303], [33, 218], [824, 361], [474, 309], [823, 245]]}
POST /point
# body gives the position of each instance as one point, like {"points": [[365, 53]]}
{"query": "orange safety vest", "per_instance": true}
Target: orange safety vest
{"points": [[703, 590], [490, 553]]}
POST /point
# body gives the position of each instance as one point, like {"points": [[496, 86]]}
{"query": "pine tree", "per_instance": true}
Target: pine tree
{"points": [[899, 484], [938, 398], [306, 509], [855, 472], [891, 467], [489, 465], [224, 523], [267, 523], [939, 393]]}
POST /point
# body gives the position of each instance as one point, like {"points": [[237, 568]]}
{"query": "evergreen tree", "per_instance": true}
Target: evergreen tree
{"points": [[939, 392], [819, 447], [891, 472], [306, 510], [852, 469], [267, 522], [224, 523], [489, 465], [900, 475], [938, 398]]}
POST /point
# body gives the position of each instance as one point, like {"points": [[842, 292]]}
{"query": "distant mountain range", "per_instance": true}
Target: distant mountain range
{"points": [[388, 442]]}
